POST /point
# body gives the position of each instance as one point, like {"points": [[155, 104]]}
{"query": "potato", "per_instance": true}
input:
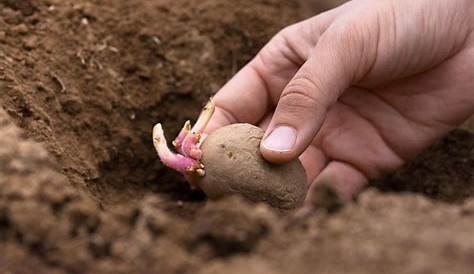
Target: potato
{"points": [[233, 164]]}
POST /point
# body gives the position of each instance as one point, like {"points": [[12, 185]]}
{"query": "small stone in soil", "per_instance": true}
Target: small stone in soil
{"points": [[20, 29], [30, 42], [3, 35], [71, 104]]}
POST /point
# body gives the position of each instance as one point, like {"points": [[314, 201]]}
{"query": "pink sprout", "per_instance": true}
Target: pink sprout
{"points": [[187, 158]]}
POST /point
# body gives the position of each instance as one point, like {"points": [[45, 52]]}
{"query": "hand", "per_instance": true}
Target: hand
{"points": [[357, 91]]}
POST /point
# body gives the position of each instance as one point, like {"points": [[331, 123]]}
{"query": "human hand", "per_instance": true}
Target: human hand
{"points": [[357, 91]]}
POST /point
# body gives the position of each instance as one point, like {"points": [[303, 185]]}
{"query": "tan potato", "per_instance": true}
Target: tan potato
{"points": [[233, 164]]}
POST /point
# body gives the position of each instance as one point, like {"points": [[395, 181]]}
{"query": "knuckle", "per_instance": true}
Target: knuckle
{"points": [[284, 44], [345, 35], [352, 47], [351, 33], [288, 31], [283, 36], [302, 93]]}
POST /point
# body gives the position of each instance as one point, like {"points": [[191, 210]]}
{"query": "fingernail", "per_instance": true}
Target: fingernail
{"points": [[281, 139]]}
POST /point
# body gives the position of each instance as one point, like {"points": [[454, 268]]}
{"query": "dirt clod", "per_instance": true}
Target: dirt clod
{"points": [[27, 7], [323, 197], [230, 226]]}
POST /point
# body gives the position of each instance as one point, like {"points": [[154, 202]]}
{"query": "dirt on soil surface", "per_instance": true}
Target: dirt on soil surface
{"points": [[82, 82]]}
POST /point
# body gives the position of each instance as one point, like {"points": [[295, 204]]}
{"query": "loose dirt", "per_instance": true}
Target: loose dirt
{"points": [[81, 190]]}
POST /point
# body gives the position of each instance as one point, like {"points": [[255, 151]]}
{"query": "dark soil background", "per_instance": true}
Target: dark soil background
{"points": [[82, 82]]}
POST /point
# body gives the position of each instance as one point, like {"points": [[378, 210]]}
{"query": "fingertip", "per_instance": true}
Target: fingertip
{"points": [[344, 178], [219, 119], [275, 157], [278, 144]]}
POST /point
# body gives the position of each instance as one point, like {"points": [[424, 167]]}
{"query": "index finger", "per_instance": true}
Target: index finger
{"points": [[244, 99]]}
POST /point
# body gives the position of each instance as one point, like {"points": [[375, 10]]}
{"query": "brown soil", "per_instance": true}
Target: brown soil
{"points": [[81, 84]]}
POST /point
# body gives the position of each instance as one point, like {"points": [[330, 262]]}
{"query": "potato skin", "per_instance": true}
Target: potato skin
{"points": [[233, 164]]}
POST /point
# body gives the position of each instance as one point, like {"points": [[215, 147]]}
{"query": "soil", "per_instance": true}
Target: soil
{"points": [[82, 82]]}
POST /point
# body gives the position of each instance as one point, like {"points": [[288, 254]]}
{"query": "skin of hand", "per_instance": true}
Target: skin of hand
{"points": [[357, 91]]}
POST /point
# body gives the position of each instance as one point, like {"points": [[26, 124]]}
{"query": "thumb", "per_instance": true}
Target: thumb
{"points": [[304, 102]]}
